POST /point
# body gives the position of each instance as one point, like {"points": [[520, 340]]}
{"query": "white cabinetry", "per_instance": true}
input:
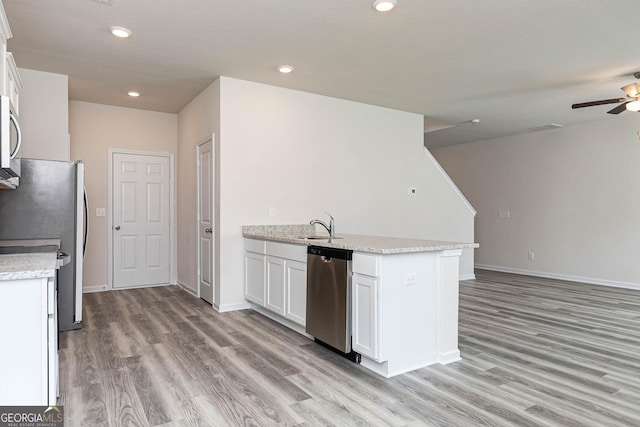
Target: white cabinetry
{"points": [[275, 285], [276, 278], [365, 308], [10, 82], [254, 270], [365, 315], [405, 310], [296, 278], [13, 84], [29, 336]]}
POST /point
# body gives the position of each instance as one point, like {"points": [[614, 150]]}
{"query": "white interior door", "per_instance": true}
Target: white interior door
{"points": [[205, 221], [141, 220]]}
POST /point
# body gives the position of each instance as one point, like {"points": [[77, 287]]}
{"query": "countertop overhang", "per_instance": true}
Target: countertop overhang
{"points": [[360, 243]]}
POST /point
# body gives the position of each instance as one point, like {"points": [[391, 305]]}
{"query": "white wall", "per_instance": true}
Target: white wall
{"points": [[573, 194], [197, 122], [95, 129], [44, 115], [305, 154]]}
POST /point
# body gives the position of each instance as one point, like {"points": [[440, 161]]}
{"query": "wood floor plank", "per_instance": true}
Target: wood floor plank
{"points": [[535, 352]]}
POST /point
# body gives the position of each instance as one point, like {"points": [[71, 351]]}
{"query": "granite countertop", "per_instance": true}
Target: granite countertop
{"points": [[30, 242], [355, 242], [27, 266], [28, 259]]}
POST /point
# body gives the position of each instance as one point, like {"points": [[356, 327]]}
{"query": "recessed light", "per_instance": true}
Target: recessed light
{"points": [[285, 69], [133, 94], [121, 32], [384, 5]]}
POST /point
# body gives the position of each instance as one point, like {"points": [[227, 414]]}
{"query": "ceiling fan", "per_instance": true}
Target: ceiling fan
{"points": [[631, 102]]}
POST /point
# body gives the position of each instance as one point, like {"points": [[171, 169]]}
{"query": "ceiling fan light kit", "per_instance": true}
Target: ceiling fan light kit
{"points": [[633, 106], [631, 102]]}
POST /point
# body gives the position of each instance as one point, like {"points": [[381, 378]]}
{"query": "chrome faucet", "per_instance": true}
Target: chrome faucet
{"points": [[331, 228]]}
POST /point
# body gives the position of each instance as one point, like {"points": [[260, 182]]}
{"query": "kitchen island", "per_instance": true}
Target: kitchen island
{"points": [[404, 292], [28, 324]]}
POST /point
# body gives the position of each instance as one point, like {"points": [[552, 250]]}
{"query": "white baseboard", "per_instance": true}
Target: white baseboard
{"points": [[569, 278], [450, 357], [231, 307], [92, 289], [467, 277], [186, 288]]}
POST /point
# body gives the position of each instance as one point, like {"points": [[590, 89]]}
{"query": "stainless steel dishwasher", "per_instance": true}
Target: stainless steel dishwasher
{"points": [[329, 296]]}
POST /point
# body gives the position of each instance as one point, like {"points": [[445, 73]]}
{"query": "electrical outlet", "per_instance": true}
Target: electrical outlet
{"points": [[532, 256], [272, 211], [410, 279], [504, 214]]}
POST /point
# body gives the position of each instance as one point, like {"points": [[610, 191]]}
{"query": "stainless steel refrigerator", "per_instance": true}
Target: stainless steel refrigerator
{"points": [[50, 203]]}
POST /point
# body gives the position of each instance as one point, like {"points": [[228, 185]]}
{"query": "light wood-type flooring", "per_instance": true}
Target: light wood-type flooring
{"points": [[536, 352]]}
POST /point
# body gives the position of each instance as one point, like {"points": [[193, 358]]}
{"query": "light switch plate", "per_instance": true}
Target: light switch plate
{"points": [[101, 212]]}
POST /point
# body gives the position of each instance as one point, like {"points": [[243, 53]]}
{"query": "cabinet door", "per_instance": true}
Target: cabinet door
{"points": [[275, 285], [365, 316], [254, 277], [296, 291]]}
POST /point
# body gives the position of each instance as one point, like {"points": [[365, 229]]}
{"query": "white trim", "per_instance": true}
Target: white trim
{"points": [[467, 277], [172, 228], [569, 278], [449, 181], [92, 289], [187, 289], [213, 225], [5, 30], [449, 357], [198, 267], [232, 307]]}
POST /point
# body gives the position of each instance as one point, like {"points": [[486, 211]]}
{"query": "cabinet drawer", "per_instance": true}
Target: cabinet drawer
{"points": [[366, 264], [253, 245], [287, 251]]}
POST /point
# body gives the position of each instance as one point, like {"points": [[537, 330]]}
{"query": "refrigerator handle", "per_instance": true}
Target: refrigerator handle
{"points": [[86, 222], [78, 286]]}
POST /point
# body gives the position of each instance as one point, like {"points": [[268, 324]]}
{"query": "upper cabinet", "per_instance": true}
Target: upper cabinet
{"points": [[10, 81], [13, 84]]}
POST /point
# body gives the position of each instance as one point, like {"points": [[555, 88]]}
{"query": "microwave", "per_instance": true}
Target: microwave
{"points": [[10, 140]]}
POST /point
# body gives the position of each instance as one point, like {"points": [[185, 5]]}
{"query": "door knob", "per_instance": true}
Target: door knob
{"points": [[117, 227], [208, 230]]}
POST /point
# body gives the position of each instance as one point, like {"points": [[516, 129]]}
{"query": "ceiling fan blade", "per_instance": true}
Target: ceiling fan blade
{"points": [[620, 108], [602, 102], [631, 90]]}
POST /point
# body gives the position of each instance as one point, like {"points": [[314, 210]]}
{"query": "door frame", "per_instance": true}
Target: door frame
{"points": [[172, 209], [214, 283]]}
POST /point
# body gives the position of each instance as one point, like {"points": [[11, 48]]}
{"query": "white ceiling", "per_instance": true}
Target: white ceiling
{"points": [[513, 64]]}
